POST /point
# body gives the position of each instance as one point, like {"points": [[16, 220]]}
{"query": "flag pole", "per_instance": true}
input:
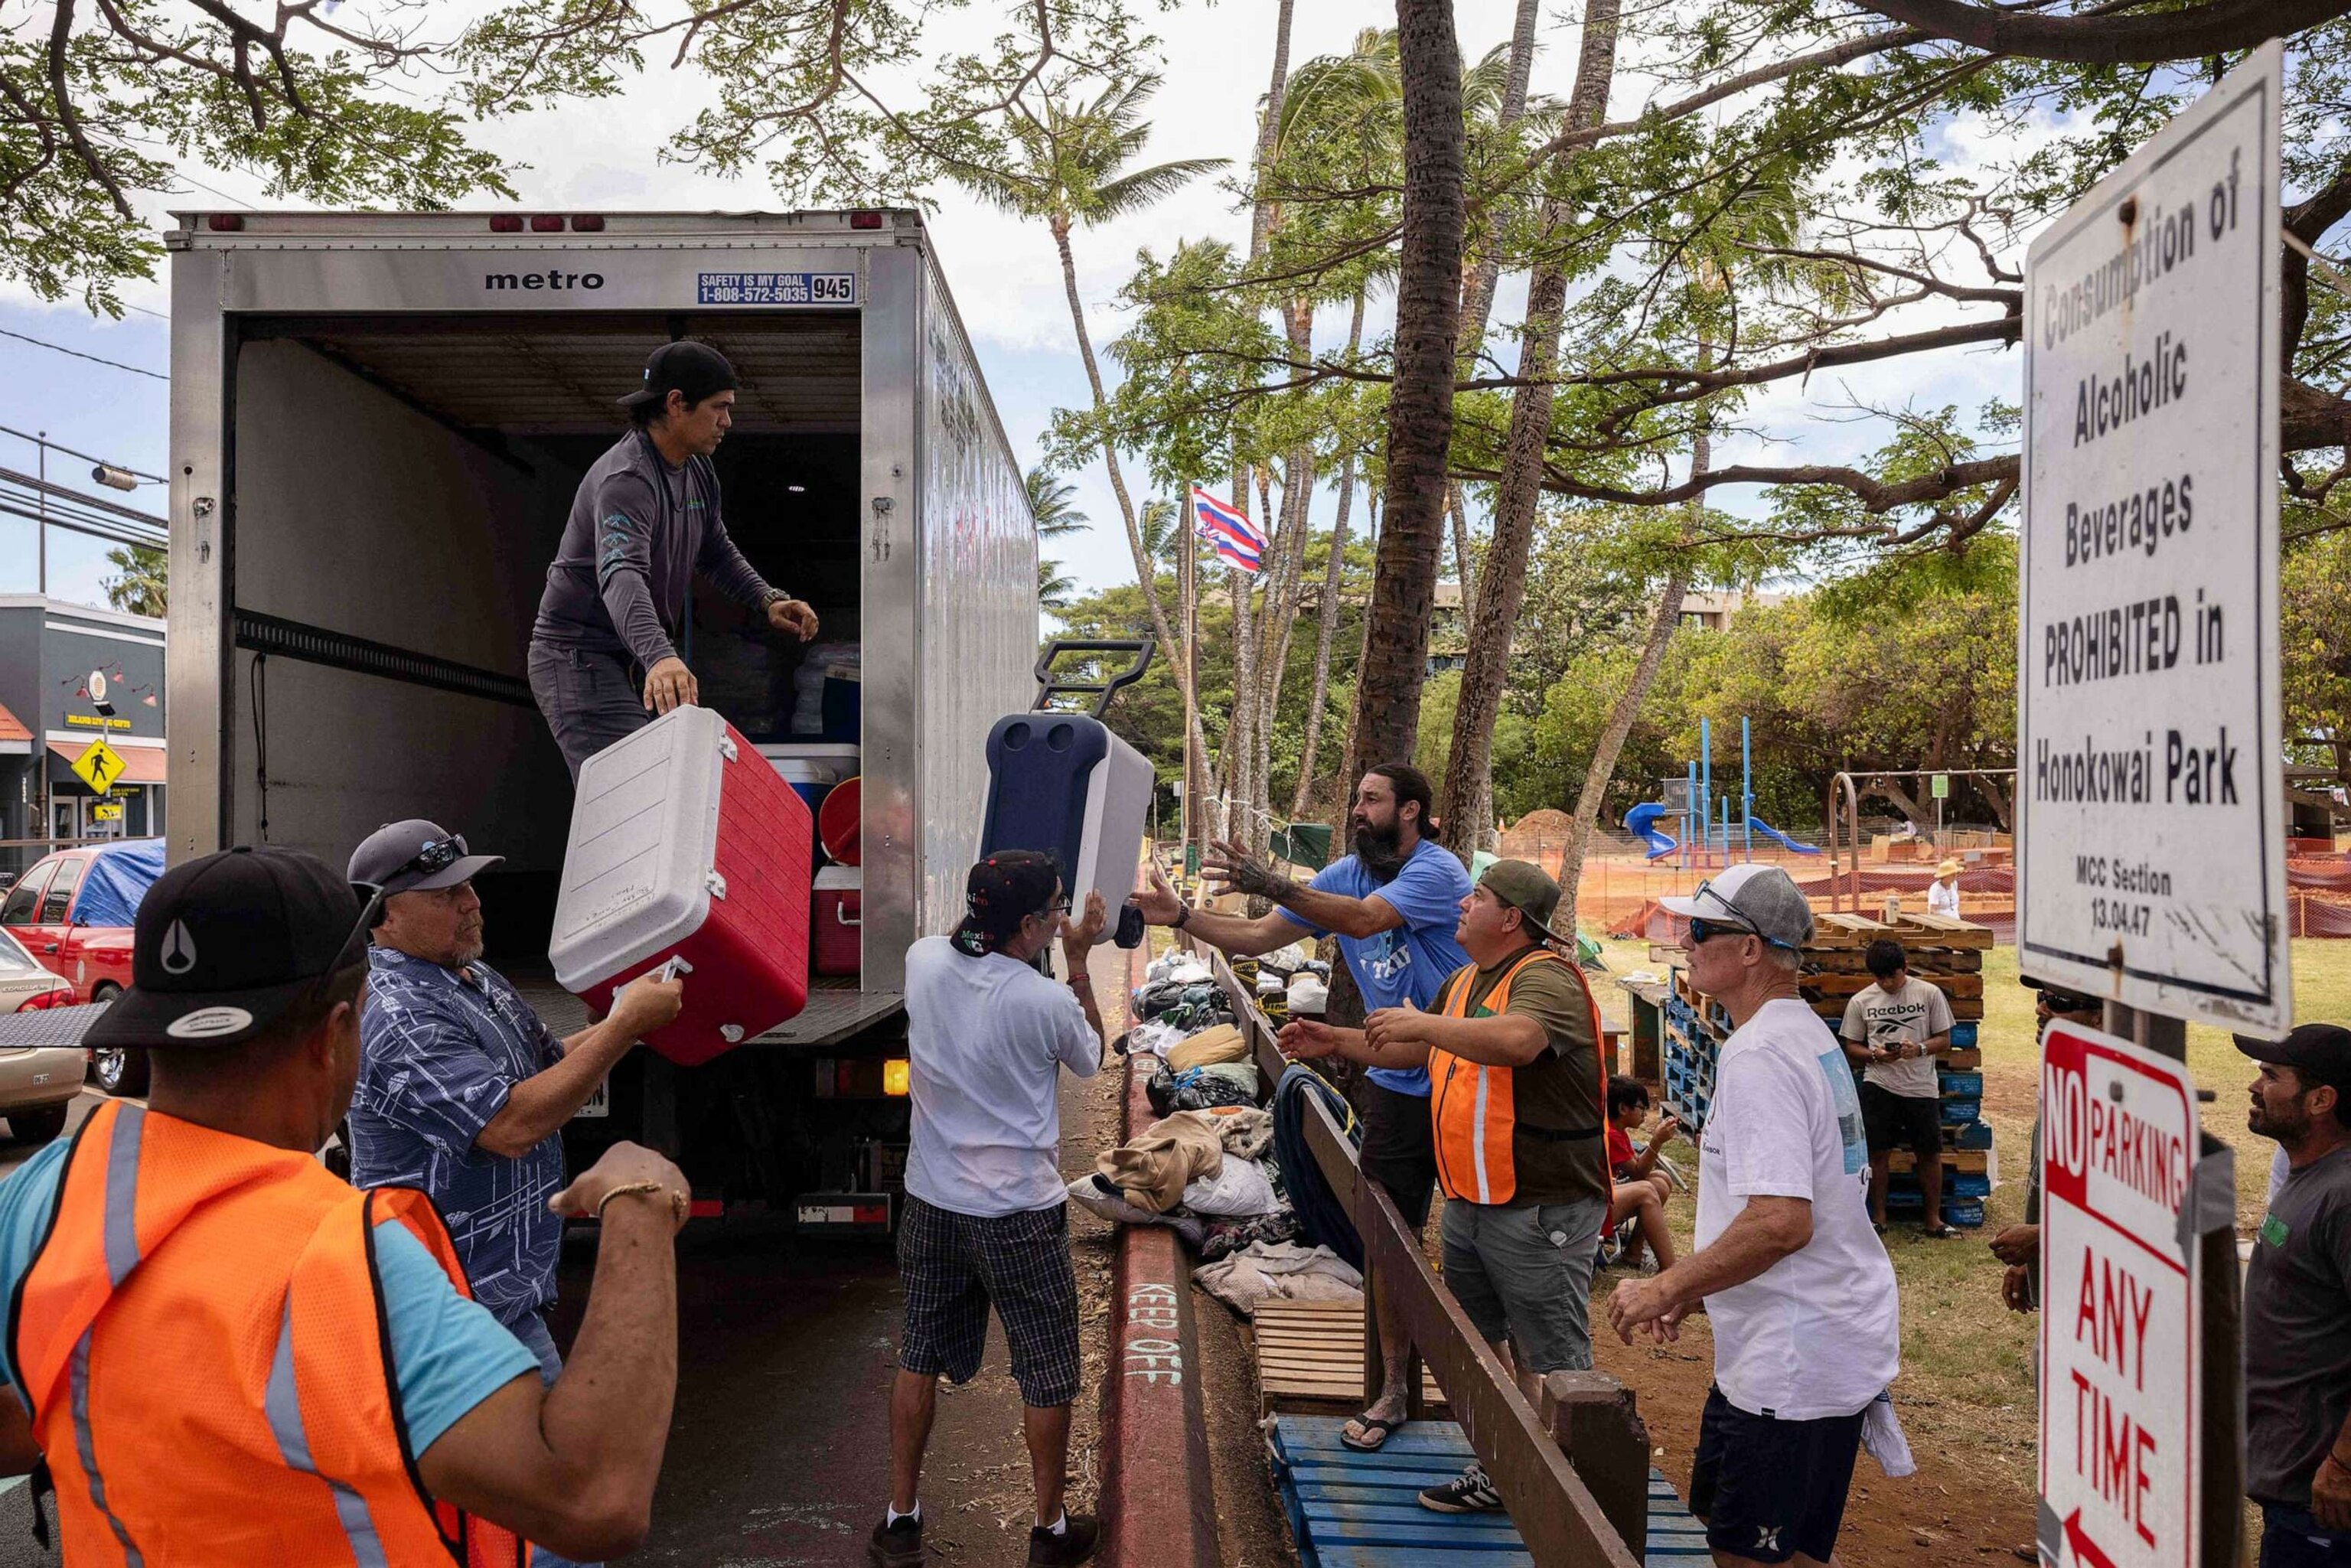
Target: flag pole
{"points": [[1186, 572]]}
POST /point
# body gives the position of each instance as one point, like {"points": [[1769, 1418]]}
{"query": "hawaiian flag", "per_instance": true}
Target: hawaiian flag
{"points": [[1228, 532]]}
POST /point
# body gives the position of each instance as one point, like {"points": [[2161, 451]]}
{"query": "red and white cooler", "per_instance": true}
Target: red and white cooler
{"points": [[688, 848]]}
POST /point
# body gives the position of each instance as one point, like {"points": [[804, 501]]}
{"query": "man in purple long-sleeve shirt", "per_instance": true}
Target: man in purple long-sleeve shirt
{"points": [[645, 521]]}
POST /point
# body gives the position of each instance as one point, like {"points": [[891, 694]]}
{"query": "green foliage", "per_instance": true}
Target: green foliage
{"points": [[141, 585], [2314, 651], [105, 109]]}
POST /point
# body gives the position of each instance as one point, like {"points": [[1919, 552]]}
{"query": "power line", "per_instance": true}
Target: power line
{"points": [[85, 456], [76, 354]]}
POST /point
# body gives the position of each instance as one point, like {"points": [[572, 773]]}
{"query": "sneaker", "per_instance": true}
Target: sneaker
{"points": [[1469, 1492], [896, 1545], [1080, 1535]]}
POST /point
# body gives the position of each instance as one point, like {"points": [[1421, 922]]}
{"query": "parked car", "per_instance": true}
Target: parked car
{"points": [[36, 1082], [72, 911]]}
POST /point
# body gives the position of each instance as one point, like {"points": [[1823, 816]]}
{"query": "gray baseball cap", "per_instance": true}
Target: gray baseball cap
{"points": [[1759, 898], [416, 856]]}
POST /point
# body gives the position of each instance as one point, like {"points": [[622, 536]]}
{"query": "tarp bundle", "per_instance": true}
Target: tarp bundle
{"points": [[117, 878]]}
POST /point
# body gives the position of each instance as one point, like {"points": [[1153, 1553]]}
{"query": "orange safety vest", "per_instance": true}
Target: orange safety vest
{"points": [[1473, 1107], [204, 1344]]}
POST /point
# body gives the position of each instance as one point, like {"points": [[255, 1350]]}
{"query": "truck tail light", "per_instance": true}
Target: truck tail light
{"points": [[62, 997], [896, 1077], [547, 223], [505, 224], [865, 220], [588, 223], [224, 223]]}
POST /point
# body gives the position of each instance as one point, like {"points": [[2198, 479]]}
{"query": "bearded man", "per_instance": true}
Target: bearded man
{"points": [[1395, 906]]}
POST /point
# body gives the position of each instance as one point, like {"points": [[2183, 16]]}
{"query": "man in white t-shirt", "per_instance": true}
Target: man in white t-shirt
{"points": [[1894, 1030], [1806, 1326], [985, 1220]]}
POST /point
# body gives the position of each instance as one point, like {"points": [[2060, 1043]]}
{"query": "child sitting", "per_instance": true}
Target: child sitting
{"points": [[1641, 1187]]}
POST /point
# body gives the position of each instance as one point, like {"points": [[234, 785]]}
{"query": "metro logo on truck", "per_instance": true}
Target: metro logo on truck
{"points": [[2120, 1395]]}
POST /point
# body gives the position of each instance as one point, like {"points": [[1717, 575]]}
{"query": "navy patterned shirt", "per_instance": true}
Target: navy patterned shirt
{"points": [[439, 1052]]}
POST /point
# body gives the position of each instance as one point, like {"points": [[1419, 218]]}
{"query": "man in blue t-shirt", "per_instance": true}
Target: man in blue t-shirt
{"points": [[1393, 905]]}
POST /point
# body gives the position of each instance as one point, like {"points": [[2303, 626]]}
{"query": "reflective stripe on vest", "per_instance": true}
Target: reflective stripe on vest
{"points": [[202, 1340], [1473, 1108]]}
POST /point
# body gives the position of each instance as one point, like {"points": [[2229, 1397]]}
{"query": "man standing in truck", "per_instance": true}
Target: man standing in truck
{"points": [[645, 519]]}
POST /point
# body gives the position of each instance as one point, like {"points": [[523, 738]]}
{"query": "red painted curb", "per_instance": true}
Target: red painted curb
{"points": [[1158, 1510]]}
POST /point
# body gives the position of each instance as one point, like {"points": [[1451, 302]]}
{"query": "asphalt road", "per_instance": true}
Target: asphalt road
{"points": [[779, 1445]]}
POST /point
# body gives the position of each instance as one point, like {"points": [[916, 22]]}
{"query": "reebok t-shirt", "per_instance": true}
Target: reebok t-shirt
{"points": [[1912, 1015]]}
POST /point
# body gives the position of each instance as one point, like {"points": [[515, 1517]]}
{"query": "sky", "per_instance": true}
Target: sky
{"points": [[1003, 272]]}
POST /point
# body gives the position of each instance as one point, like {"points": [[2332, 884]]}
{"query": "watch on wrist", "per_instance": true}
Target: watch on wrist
{"points": [[774, 596]]}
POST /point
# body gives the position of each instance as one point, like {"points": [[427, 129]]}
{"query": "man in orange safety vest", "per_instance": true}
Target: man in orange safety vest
{"points": [[221, 1352]]}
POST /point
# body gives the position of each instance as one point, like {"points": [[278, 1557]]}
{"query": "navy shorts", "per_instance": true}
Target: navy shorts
{"points": [[1768, 1489], [1399, 1149]]}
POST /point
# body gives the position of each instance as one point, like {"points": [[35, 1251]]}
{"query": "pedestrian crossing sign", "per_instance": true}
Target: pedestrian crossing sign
{"points": [[98, 765]]}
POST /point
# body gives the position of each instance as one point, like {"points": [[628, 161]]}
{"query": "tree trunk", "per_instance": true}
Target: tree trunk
{"points": [[1485, 274], [1602, 767], [1420, 397], [2003, 809], [1298, 477], [1478, 298], [1350, 760], [1469, 793], [1146, 575], [1333, 578], [1261, 220]]}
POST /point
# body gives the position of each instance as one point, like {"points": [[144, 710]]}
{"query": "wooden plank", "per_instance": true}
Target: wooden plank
{"points": [[1965, 1161]]}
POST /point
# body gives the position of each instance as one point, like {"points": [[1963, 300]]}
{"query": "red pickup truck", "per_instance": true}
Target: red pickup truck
{"points": [[72, 911]]}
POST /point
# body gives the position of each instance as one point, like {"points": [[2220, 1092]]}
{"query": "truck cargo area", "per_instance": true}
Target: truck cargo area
{"points": [[432, 461]]}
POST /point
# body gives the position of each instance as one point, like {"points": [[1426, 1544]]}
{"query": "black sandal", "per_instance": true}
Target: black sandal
{"points": [[1938, 1233], [1382, 1429]]}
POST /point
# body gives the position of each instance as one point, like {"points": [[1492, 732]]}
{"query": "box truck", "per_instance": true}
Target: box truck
{"points": [[378, 424]]}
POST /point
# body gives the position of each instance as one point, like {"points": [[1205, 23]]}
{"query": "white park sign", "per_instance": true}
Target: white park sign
{"points": [[2151, 789]]}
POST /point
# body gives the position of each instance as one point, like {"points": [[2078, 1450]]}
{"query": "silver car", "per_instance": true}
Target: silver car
{"points": [[37, 1083]]}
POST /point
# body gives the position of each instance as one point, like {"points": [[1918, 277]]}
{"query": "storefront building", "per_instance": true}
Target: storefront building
{"points": [[49, 715]]}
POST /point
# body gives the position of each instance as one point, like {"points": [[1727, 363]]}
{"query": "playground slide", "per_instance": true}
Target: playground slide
{"points": [[1780, 839], [1641, 822]]}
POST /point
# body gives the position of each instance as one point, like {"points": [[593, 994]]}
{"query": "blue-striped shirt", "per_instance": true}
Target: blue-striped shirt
{"points": [[439, 1052]]}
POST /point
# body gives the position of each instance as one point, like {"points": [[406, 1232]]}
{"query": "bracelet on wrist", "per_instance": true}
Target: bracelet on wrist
{"points": [[1183, 916], [677, 1200]]}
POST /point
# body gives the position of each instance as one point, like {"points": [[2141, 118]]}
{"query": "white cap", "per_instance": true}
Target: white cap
{"points": [[1759, 898]]}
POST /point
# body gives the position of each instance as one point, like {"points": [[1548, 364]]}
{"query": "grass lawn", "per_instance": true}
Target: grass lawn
{"points": [[1967, 1377]]}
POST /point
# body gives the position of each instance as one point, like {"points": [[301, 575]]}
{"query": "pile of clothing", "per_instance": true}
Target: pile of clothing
{"points": [[822, 662], [1207, 1173]]}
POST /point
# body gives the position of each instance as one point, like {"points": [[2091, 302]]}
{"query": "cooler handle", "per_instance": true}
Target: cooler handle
{"points": [[840, 914], [1050, 686], [674, 965]]}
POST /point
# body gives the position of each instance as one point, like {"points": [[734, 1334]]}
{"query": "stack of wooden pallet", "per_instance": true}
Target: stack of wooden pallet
{"points": [[1949, 954]]}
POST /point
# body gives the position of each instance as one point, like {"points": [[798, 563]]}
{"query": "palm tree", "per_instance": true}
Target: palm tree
{"points": [[142, 587], [1420, 399], [1071, 170], [1054, 505]]}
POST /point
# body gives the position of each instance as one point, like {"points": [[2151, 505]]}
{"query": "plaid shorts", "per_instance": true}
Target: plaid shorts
{"points": [[953, 1265]]}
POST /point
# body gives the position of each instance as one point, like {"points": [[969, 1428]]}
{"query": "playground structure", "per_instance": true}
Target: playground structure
{"points": [[1688, 802]]}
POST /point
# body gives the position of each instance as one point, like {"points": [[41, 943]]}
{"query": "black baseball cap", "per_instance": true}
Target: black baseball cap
{"points": [[223, 945], [1001, 891], [2321, 1052], [696, 370], [2061, 1000]]}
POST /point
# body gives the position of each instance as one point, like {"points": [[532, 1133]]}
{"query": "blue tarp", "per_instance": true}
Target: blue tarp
{"points": [[117, 878]]}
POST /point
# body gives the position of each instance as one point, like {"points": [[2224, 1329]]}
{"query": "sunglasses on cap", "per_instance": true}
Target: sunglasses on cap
{"points": [[435, 856]]}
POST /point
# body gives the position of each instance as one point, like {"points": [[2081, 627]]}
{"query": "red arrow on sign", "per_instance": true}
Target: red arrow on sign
{"points": [[2086, 1551]]}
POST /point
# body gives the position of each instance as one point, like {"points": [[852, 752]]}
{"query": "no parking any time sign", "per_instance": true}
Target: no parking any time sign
{"points": [[2120, 1400]]}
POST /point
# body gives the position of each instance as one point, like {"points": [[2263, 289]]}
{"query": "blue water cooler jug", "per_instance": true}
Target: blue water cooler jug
{"points": [[1060, 781]]}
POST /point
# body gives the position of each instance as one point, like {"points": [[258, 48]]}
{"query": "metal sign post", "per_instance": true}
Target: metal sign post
{"points": [[2150, 848]]}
